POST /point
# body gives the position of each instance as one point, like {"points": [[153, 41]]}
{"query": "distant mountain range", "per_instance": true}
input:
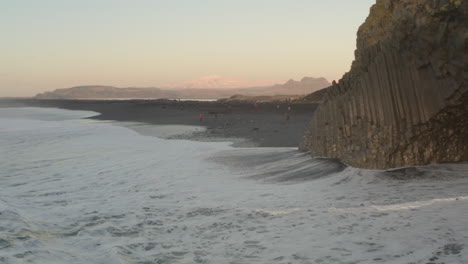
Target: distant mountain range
{"points": [[220, 82], [305, 86]]}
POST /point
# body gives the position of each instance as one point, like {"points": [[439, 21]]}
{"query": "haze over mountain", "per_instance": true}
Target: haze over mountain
{"points": [[221, 82], [220, 89]]}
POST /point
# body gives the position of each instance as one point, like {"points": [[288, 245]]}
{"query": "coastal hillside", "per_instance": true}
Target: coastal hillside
{"points": [[100, 91], [405, 100], [313, 98], [305, 86]]}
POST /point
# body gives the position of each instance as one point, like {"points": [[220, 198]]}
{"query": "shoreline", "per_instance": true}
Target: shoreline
{"points": [[265, 126]]}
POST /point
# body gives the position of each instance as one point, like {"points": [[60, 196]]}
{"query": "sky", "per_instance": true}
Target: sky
{"points": [[50, 44]]}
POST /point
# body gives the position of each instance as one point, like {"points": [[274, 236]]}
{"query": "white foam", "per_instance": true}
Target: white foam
{"points": [[93, 192], [163, 131], [44, 114], [401, 206]]}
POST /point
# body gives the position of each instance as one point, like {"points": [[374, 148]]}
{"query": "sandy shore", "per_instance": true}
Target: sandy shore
{"points": [[265, 126]]}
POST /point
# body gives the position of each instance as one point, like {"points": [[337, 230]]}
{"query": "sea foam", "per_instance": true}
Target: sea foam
{"points": [[81, 191]]}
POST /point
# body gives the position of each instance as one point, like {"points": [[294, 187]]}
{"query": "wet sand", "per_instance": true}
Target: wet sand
{"points": [[265, 126]]}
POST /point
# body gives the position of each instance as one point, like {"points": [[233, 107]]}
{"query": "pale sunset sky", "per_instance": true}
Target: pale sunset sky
{"points": [[50, 44]]}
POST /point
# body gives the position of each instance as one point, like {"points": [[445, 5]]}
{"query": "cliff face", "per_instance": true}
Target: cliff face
{"points": [[405, 100]]}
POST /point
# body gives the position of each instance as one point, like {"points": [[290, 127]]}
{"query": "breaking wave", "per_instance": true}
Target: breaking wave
{"points": [[81, 191]]}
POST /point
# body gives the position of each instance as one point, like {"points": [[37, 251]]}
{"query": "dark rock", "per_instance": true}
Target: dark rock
{"points": [[405, 100]]}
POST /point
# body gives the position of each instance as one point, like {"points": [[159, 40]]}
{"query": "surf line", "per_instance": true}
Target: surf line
{"points": [[398, 207]]}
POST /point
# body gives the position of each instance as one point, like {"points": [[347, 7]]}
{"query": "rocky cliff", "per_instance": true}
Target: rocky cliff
{"points": [[405, 100]]}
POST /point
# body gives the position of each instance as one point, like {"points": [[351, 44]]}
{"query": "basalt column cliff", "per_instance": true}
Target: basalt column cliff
{"points": [[405, 100]]}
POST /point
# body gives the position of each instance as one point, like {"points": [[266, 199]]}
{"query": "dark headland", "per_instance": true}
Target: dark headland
{"points": [[405, 100]]}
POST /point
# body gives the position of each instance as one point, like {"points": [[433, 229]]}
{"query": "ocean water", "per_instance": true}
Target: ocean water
{"points": [[80, 191]]}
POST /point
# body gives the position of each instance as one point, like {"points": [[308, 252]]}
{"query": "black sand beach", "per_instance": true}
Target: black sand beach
{"points": [[265, 126]]}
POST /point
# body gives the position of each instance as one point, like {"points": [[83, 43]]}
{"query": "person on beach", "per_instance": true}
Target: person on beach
{"points": [[201, 117], [288, 112]]}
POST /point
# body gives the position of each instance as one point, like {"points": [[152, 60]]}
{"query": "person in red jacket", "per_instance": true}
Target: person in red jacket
{"points": [[201, 117]]}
